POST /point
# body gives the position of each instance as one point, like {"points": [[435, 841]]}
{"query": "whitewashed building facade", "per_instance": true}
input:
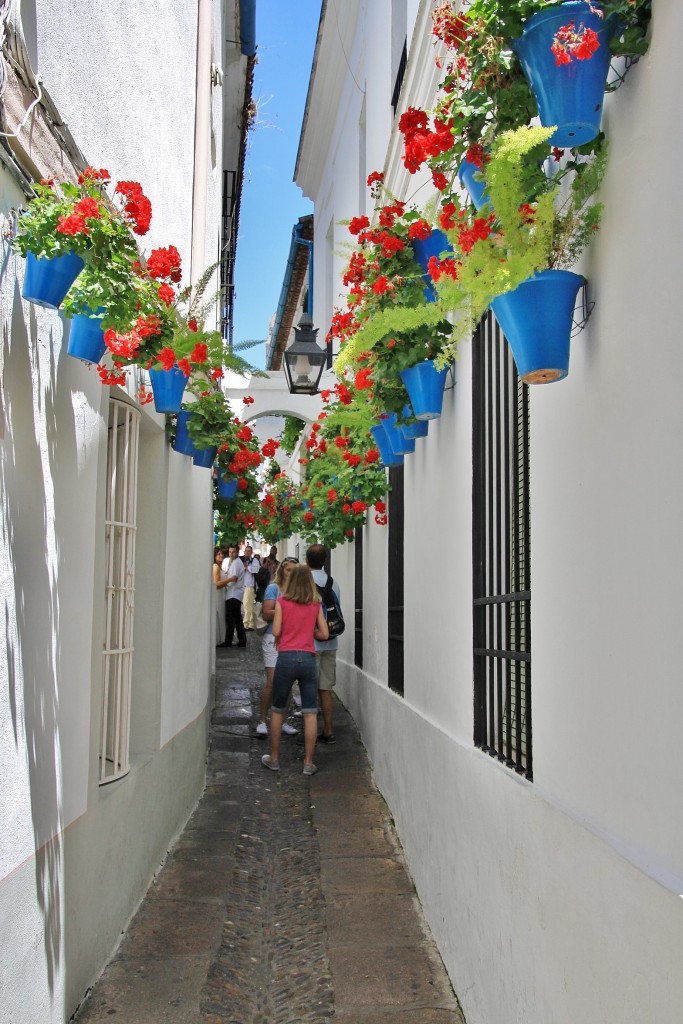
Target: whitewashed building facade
{"points": [[106, 534], [553, 891]]}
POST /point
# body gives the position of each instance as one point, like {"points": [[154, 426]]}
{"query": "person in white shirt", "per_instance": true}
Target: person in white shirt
{"points": [[234, 592], [252, 564]]}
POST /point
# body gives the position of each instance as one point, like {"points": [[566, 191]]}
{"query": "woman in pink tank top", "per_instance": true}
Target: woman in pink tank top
{"points": [[298, 622]]}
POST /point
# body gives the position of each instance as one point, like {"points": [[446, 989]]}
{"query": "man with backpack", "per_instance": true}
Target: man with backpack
{"points": [[326, 651]]}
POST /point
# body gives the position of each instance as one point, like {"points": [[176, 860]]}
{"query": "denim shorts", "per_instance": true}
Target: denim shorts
{"points": [[292, 667]]}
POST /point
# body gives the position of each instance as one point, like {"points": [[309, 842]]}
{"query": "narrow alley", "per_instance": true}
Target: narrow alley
{"points": [[285, 898]]}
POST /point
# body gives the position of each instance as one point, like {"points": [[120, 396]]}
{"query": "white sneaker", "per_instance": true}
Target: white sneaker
{"points": [[262, 729], [288, 729]]}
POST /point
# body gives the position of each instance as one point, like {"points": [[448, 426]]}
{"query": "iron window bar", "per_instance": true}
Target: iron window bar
{"points": [[501, 548]]}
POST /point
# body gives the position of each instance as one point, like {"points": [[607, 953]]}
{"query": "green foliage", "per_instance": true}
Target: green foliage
{"points": [[281, 509], [291, 434], [107, 242], [406, 321], [525, 238], [505, 19]]}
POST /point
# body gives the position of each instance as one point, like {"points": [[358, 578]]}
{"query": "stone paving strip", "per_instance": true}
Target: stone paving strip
{"points": [[284, 901]]}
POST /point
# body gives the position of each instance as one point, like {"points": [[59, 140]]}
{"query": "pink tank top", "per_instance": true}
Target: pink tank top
{"points": [[298, 623]]}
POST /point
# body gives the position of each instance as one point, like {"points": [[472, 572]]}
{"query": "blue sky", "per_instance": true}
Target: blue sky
{"points": [[271, 203]]}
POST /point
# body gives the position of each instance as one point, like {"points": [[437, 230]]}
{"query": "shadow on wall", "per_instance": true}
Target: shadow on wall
{"points": [[30, 535]]}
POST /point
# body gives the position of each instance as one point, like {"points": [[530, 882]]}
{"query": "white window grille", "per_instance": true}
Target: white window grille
{"points": [[122, 473]]}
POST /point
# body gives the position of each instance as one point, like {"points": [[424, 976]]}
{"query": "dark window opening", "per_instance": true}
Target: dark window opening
{"points": [[358, 600], [227, 254], [501, 552], [400, 75], [395, 587]]}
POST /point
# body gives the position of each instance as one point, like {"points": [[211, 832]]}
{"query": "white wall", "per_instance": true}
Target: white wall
{"points": [[556, 900], [76, 858]]}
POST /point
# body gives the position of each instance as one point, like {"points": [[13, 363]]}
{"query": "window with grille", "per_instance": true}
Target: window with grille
{"points": [[119, 547], [358, 599], [501, 535], [395, 586]]}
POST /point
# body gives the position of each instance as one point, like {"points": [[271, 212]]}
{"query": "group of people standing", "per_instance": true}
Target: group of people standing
{"points": [[296, 644], [235, 586]]}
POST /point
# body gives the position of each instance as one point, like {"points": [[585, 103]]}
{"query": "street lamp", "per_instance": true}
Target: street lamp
{"points": [[304, 360]]}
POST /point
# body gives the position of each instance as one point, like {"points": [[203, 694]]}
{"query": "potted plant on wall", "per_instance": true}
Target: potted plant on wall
{"points": [[70, 225], [497, 50], [386, 303], [519, 259], [345, 480]]}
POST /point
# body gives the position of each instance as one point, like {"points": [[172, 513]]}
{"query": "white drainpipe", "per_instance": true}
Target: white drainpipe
{"points": [[201, 138]]}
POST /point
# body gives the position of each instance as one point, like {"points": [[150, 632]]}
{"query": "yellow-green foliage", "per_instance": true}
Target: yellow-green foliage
{"points": [[519, 246], [396, 320]]}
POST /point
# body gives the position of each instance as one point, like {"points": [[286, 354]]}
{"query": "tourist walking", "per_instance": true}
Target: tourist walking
{"points": [[234, 591], [273, 591], [297, 622]]}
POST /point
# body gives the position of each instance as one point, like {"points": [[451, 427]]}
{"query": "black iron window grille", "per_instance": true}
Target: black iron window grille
{"points": [[400, 75], [395, 585], [501, 552], [358, 600], [227, 254]]}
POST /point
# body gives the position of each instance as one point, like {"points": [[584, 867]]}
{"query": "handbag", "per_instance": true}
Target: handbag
{"points": [[260, 624]]}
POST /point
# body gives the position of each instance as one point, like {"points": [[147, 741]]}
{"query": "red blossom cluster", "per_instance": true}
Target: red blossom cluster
{"points": [[137, 208], [420, 229], [421, 142], [363, 381], [436, 268], [94, 174], [389, 243], [572, 44], [111, 377], [124, 346], [144, 396], [270, 447], [343, 326], [165, 263], [477, 155], [449, 27]]}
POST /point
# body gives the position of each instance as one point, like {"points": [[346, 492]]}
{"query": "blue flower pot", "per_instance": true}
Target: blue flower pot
{"points": [[570, 95], [423, 250], [168, 387], [536, 319], [204, 457], [389, 458], [401, 445], [46, 282], [226, 488], [86, 337], [415, 429], [476, 189], [425, 385], [183, 441]]}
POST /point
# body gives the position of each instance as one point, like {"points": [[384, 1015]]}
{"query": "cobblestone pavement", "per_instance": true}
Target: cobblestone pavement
{"points": [[285, 900]]}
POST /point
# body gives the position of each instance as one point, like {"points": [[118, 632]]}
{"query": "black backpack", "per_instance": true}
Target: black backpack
{"points": [[331, 609], [261, 581]]}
